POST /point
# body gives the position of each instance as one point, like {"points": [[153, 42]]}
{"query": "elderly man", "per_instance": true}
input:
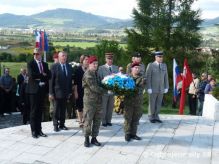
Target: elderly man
{"points": [[157, 85], [38, 78], [60, 90], [108, 98]]}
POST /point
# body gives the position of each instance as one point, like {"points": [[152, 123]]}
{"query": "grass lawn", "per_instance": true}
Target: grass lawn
{"points": [[80, 44]]}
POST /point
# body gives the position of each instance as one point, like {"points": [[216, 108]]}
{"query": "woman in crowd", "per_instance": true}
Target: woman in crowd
{"points": [[209, 87], [79, 91]]}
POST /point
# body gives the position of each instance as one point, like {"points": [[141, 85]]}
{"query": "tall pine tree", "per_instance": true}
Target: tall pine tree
{"points": [[164, 24]]}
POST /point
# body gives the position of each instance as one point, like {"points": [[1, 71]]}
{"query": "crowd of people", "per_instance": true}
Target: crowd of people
{"points": [[63, 91], [196, 92]]}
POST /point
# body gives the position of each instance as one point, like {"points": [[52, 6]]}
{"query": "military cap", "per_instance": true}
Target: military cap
{"points": [[158, 53], [92, 59], [136, 54], [109, 55]]}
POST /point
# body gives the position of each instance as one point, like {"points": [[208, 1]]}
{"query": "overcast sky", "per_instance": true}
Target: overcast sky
{"points": [[112, 8]]}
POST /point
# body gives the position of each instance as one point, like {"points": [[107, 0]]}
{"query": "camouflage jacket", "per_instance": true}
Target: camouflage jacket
{"points": [[140, 83], [91, 85]]}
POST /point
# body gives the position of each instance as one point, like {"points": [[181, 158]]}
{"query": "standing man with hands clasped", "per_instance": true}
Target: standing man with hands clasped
{"points": [[39, 75], [60, 90], [107, 98], [157, 85]]}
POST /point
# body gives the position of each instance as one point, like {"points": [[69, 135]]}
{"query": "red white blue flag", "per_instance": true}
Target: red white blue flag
{"points": [[41, 40], [176, 79]]}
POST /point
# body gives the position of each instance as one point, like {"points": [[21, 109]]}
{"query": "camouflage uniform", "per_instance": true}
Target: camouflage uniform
{"points": [[133, 103], [92, 104]]}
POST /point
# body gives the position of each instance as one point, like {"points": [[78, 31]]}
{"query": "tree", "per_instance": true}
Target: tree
{"points": [[164, 24], [111, 46]]}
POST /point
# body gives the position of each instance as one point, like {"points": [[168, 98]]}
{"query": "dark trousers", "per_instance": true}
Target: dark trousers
{"points": [[59, 112], [7, 102], [192, 104], [36, 104], [26, 110]]}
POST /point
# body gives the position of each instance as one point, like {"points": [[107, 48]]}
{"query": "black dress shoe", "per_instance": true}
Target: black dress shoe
{"points": [[95, 142], [34, 135], [63, 127], [152, 121], [42, 134], [56, 129], [135, 137], [109, 124], [87, 142], [127, 137], [159, 121], [105, 125]]}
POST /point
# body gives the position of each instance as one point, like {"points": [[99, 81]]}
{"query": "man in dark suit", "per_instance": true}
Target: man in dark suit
{"points": [[39, 75], [60, 90]]}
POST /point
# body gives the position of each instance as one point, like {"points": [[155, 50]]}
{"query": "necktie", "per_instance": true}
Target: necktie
{"points": [[110, 69], [160, 66], [64, 70], [41, 67]]}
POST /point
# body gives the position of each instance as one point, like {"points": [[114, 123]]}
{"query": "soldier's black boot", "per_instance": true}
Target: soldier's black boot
{"points": [[87, 142], [135, 137], [127, 137], [95, 142]]}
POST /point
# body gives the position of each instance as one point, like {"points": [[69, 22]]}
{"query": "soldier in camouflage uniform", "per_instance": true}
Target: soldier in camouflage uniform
{"points": [[92, 103], [133, 103]]}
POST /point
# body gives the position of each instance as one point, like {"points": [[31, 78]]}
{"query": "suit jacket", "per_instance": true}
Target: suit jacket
{"points": [[157, 77], [35, 77], [60, 86], [20, 82], [104, 71]]}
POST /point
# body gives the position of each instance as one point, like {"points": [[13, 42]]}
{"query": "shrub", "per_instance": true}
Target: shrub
{"points": [[215, 92]]}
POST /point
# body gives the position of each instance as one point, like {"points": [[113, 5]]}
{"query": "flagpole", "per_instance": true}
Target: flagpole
{"points": [[44, 57]]}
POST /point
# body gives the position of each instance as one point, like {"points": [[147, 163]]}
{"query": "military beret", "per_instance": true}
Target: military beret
{"points": [[158, 53], [109, 55], [55, 55], [92, 59], [136, 54], [135, 64]]}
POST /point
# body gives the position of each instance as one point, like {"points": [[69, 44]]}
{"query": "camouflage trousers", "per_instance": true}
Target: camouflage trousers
{"points": [[92, 118], [132, 115]]}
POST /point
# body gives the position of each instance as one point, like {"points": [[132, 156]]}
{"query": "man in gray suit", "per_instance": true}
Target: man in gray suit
{"points": [[108, 98], [157, 85], [60, 90]]}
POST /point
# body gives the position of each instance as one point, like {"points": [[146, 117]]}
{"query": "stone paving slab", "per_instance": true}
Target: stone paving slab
{"points": [[179, 139]]}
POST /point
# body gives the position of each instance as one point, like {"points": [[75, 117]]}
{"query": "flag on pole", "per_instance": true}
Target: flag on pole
{"points": [[37, 38], [187, 79], [46, 44], [42, 41], [176, 79]]}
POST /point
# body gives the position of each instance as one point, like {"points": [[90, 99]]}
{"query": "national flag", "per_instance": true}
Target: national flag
{"points": [[176, 79], [187, 79], [37, 38], [46, 43], [42, 44]]}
